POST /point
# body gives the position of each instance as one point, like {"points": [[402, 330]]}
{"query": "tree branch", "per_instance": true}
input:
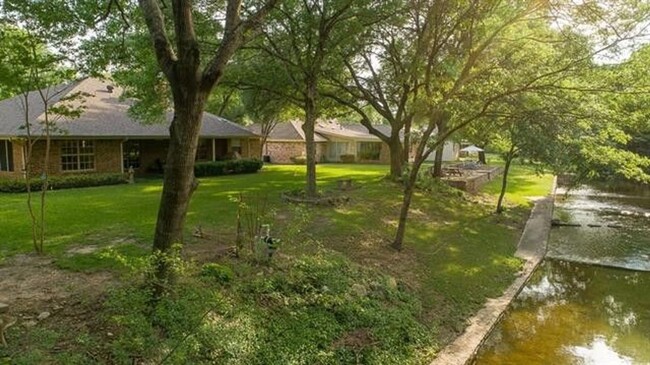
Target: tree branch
{"points": [[153, 17]]}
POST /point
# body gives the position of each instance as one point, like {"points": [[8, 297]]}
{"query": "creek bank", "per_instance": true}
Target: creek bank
{"points": [[532, 248]]}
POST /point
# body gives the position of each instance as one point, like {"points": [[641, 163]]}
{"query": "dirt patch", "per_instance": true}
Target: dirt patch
{"points": [[32, 285], [92, 248], [209, 245], [355, 340]]}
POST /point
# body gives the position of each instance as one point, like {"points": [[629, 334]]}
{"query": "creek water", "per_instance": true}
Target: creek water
{"points": [[589, 301]]}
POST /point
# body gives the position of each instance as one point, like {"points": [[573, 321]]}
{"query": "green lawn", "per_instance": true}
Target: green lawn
{"points": [[457, 251], [103, 214]]}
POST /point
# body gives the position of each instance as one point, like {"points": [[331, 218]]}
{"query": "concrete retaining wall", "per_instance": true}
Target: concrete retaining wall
{"points": [[532, 248]]}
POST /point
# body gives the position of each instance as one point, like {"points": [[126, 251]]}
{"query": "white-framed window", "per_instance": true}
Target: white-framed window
{"points": [[78, 155], [6, 156]]}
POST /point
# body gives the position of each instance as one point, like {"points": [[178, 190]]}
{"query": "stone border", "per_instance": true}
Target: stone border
{"points": [[532, 248]]}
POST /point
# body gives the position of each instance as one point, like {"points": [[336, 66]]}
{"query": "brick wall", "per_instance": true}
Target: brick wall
{"points": [[251, 148], [108, 158], [384, 153], [281, 152]]}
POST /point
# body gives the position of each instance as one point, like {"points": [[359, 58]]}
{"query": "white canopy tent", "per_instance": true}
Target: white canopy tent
{"points": [[471, 149]]}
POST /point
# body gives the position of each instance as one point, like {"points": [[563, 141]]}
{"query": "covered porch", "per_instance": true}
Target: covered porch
{"points": [[147, 156]]}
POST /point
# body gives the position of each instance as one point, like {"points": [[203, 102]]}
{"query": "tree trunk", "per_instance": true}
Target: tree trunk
{"points": [[437, 162], [504, 181], [407, 140], [29, 147], [481, 157], [403, 215], [264, 149], [406, 205], [421, 155], [46, 174], [396, 158], [179, 182], [310, 146]]}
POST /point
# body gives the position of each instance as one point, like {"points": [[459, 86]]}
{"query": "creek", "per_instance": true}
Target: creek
{"points": [[589, 301]]}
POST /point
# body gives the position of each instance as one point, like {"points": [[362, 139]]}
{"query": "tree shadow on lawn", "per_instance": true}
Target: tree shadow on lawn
{"points": [[469, 262], [456, 254]]}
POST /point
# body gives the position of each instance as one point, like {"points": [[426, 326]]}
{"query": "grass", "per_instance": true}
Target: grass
{"points": [[457, 251], [523, 182]]}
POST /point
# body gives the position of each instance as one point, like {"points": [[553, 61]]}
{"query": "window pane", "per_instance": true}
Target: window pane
{"points": [[6, 156], [369, 150], [131, 154], [77, 155]]}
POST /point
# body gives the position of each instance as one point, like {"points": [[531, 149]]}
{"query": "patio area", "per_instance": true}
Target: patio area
{"points": [[470, 177]]}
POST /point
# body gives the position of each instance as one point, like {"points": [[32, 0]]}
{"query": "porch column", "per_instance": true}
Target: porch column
{"points": [[25, 158], [122, 156], [248, 142], [214, 149]]}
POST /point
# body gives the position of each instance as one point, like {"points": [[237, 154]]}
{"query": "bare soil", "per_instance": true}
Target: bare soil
{"points": [[32, 284]]}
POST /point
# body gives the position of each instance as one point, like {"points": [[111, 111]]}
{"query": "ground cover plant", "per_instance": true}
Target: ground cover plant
{"points": [[333, 293]]}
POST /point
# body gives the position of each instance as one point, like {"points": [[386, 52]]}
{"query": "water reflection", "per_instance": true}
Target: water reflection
{"points": [[613, 229], [598, 352], [573, 313]]}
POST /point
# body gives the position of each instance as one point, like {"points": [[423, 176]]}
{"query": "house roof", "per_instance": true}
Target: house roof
{"points": [[287, 132], [105, 115], [324, 131], [335, 130], [384, 129]]}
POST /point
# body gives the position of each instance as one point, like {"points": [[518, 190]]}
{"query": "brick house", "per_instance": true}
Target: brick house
{"points": [[333, 140], [287, 140], [105, 138]]}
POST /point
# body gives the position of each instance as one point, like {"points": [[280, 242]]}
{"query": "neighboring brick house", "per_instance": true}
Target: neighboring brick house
{"points": [[105, 138], [287, 141], [334, 143]]}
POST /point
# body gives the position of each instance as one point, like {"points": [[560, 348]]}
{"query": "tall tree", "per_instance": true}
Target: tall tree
{"points": [[191, 75], [29, 68], [306, 38], [470, 59], [379, 75]]}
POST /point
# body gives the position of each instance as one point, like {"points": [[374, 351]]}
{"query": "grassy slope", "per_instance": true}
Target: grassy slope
{"points": [[456, 254]]}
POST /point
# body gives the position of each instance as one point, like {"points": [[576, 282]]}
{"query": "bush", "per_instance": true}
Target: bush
{"points": [[63, 182], [347, 158], [217, 168], [222, 274]]}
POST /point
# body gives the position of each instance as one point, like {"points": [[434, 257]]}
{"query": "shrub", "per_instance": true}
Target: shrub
{"points": [[222, 274], [217, 168], [62, 182], [347, 158]]}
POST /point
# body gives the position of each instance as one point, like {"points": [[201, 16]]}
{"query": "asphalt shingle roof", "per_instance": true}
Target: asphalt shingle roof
{"points": [[105, 115], [287, 132]]}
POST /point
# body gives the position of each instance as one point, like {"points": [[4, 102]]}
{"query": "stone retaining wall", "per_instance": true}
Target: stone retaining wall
{"points": [[474, 183]]}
